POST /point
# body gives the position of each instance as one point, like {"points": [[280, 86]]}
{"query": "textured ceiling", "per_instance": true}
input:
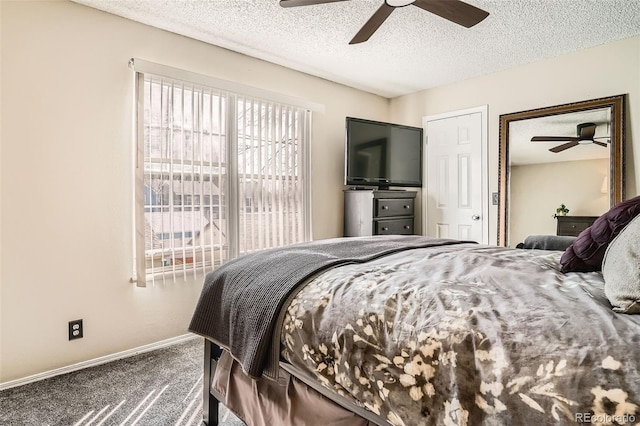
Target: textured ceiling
{"points": [[413, 50], [523, 151]]}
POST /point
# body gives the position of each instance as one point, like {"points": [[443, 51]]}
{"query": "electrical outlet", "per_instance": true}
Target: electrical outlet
{"points": [[75, 329], [494, 198]]}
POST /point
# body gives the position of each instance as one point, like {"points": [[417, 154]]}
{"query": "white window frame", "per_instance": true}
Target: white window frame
{"points": [[142, 275]]}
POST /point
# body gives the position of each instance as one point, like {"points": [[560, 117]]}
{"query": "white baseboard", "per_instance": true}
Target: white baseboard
{"points": [[98, 361]]}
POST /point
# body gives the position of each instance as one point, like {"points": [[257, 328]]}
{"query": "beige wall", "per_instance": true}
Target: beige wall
{"points": [[66, 178], [537, 190], [606, 70], [65, 165]]}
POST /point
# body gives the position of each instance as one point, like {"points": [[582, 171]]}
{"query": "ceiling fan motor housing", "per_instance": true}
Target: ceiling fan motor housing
{"points": [[583, 125], [586, 132]]}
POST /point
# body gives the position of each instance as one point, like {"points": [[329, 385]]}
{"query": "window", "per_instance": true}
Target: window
{"points": [[219, 174]]}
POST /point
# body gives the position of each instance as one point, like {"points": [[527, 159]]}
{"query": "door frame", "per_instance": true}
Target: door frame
{"points": [[484, 161]]}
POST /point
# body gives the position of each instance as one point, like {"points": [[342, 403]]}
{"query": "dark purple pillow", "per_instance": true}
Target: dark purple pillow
{"points": [[587, 251]]}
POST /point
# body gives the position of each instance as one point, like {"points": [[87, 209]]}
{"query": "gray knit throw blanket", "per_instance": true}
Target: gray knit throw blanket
{"points": [[241, 300]]}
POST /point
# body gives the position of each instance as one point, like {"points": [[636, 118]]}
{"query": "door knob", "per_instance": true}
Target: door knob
{"points": [[475, 217]]}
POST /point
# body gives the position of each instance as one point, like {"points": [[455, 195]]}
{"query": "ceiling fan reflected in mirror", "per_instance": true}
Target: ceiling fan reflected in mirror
{"points": [[585, 135], [453, 10]]}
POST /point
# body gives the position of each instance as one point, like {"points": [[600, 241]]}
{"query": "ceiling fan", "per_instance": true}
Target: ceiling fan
{"points": [[585, 135], [453, 10]]}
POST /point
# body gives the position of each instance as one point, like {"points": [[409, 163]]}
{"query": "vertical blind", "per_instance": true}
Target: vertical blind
{"points": [[270, 153], [218, 175]]}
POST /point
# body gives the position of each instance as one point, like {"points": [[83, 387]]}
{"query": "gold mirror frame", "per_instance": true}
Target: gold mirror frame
{"points": [[616, 157]]}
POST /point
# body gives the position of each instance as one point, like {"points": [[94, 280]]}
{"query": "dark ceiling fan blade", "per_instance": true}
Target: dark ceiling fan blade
{"points": [[295, 3], [553, 139], [454, 10], [373, 24], [586, 131], [600, 143], [564, 146]]}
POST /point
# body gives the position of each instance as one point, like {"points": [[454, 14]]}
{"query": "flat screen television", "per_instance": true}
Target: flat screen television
{"points": [[382, 154]]}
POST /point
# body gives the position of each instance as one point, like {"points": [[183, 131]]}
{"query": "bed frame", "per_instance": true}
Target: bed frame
{"points": [[210, 407], [210, 411]]}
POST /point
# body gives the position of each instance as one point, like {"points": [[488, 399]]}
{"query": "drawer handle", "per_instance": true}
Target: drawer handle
{"points": [[385, 207], [384, 228], [407, 207], [407, 227], [573, 226]]}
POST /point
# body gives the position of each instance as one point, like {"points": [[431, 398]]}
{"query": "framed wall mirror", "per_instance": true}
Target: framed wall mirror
{"points": [[571, 155]]}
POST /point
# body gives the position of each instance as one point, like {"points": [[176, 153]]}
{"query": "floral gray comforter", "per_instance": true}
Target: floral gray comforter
{"points": [[469, 335]]}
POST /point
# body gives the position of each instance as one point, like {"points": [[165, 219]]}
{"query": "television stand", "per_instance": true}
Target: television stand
{"points": [[378, 212]]}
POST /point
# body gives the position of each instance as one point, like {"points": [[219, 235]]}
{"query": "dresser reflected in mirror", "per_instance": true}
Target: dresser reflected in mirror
{"points": [[569, 156]]}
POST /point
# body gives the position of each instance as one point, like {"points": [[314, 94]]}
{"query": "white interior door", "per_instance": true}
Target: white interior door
{"points": [[457, 188]]}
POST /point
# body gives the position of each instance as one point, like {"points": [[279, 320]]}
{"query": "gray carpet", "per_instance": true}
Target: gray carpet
{"points": [[161, 387]]}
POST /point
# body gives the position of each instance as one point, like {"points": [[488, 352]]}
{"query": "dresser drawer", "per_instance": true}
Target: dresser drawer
{"points": [[378, 212], [573, 225], [394, 227], [388, 207]]}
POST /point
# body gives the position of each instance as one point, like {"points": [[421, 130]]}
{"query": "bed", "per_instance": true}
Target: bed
{"points": [[410, 330]]}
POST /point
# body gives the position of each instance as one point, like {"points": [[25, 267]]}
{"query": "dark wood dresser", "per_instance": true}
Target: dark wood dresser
{"points": [[573, 225], [368, 212]]}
